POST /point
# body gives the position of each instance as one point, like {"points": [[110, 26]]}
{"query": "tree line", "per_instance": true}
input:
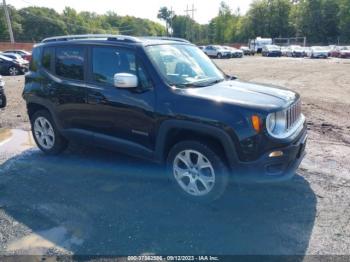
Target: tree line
{"points": [[32, 24], [321, 21]]}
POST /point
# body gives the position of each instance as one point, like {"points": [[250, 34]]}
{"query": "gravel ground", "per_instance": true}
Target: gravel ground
{"points": [[89, 201]]}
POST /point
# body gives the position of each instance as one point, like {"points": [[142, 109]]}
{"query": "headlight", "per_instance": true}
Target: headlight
{"points": [[276, 123]]}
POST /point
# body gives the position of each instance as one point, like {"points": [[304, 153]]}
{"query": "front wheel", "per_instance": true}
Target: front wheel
{"points": [[46, 135], [197, 170], [13, 71], [219, 55]]}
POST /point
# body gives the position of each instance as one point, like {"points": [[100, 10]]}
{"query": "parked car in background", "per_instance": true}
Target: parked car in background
{"points": [[235, 53], [271, 51], [307, 51], [217, 51], [345, 53], [3, 99], [341, 52], [285, 50], [319, 52], [259, 43], [23, 53], [295, 51], [201, 47], [247, 51], [335, 51], [11, 67], [16, 57]]}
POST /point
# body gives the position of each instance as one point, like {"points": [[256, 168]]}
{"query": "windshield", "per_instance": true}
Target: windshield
{"points": [[275, 47], [184, 65]]}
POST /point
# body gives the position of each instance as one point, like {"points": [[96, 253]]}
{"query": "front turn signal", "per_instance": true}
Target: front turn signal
{"points": [[257, 124]]}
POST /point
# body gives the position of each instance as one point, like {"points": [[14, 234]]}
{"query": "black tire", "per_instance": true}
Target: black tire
{"points": [[13, 71], [215, 159], [60, 143], [4, 101], [219, 56]]}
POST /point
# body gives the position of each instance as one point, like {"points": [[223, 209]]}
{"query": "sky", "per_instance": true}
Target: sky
{"points": [[206, 9]]}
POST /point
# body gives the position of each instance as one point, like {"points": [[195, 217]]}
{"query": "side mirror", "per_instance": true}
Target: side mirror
{"points": [[231, 77], [125, 80]]}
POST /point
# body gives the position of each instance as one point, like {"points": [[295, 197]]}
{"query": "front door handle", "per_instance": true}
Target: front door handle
{"points": [[95, 99]]}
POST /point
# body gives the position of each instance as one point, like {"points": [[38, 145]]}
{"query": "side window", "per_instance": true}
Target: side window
{"points": [[47, 57], [108, 61], [34, 63], [70, 62]]}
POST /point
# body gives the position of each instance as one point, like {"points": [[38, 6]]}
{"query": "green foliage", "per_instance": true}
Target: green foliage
{"points": [[321, 21], [35, 23], [166, 15]]}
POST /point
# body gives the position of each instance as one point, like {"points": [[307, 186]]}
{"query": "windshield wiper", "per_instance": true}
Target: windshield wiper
{"points": [[215, 82], [201, 83]]}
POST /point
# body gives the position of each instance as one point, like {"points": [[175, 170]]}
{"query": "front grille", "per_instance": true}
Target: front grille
{"points": [[293, 114]]}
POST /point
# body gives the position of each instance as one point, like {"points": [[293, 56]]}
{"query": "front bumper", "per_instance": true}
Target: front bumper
{"points": [[24, 69], [274, 54], [319, 55], [237, 55], [276, 169], [298, 54]]}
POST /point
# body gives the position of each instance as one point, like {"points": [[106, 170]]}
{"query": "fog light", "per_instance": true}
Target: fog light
{"points": [[276, 154]]}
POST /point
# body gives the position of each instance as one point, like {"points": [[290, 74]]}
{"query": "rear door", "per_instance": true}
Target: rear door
{"points": [[65, 68], [211, 51]]}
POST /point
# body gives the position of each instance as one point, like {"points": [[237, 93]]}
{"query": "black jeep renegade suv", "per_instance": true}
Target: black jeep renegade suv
{"points": [[164, 100]]}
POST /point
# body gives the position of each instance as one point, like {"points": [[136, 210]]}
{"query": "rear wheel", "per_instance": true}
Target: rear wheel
{"points": [[46, 135], [197, 171]]}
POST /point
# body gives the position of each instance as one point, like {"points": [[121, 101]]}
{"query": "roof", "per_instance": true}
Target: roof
{"points": [[151, 40]]}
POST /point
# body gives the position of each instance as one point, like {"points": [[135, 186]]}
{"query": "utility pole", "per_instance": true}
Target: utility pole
{"points": [[188, 11], [7, 15], [171, 21]]}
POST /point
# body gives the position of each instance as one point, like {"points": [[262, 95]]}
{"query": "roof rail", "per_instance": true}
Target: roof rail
{"points": [[130, 39], [165, 38]]}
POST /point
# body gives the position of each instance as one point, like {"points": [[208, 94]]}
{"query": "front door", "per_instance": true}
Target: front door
{"points": [[115, 114]]}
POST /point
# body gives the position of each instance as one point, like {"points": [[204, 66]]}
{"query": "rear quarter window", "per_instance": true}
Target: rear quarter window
{"points": [[47, 57], [35, 61]]}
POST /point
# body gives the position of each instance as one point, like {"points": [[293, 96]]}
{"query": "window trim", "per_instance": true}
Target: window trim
{"points": [[84, 64]]}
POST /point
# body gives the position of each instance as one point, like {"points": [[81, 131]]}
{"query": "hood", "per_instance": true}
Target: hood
{"points": [[320, 51], [237, 51], [248, 95], [223, 50]]}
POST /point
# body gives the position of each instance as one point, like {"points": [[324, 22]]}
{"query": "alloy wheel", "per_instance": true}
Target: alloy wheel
{"points": [[44, 133], [194, 173], [13, 71]]}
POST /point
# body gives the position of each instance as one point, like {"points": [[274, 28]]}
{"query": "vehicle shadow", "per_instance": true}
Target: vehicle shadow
{"points": [[94, 202]]}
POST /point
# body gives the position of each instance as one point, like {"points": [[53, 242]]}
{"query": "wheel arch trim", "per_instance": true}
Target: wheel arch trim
{"points": [[223, 137]]}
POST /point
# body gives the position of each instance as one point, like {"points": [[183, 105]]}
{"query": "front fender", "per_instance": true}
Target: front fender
{"points": [[215, 132]]}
